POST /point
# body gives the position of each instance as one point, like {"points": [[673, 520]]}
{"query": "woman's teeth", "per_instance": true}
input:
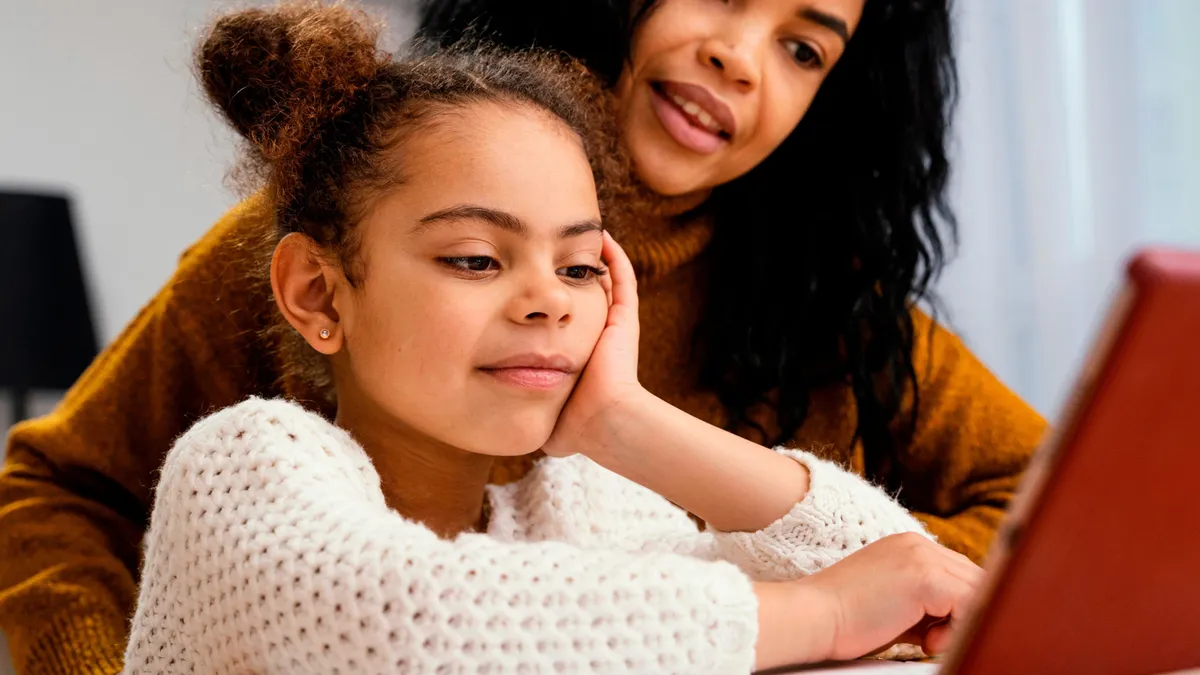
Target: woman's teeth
{"points": [[697, 112]]}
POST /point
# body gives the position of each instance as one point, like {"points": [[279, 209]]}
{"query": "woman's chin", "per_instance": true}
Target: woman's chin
{"points": [[667, 176], [665, 167]]}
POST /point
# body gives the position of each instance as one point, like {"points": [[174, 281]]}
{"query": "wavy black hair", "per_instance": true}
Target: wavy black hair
{"points": [[818, 263]]}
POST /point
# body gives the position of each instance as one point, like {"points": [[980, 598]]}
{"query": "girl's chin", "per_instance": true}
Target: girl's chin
{"points": [[510, 440], [508, 450]]}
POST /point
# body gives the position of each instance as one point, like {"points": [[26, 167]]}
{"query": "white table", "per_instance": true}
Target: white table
{"points": [[867, 667]]}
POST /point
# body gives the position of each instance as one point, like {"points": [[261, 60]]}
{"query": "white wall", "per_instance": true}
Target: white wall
{"points": [[1078, 142], [98, 97]]}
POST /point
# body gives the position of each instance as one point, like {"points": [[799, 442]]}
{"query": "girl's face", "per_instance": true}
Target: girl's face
{"points": [[480, 300], [714, 86]]}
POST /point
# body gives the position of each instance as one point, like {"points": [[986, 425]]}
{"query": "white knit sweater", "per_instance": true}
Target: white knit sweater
{"points": [[271, 550]]}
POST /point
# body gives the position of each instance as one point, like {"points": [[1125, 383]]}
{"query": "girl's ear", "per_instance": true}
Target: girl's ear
{"points": [[304, 287]]}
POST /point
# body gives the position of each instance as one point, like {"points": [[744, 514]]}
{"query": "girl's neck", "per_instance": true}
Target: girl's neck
{"points": [[437, 485]]}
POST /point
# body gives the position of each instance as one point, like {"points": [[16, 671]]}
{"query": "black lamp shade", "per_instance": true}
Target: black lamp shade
{"points": [[46, 334]]}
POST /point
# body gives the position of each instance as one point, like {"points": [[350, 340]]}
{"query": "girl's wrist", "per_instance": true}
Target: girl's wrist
{"points": [[796, 624], [614, 426], [733, 484]]}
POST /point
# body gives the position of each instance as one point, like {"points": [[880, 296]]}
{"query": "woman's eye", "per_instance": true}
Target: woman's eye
{"points": [[475, 264], [803, 53]]}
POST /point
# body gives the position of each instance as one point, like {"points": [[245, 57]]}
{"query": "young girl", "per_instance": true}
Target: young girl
{"points": [[440, 245]]}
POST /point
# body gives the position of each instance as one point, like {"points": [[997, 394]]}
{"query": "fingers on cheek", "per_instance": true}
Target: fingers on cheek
{"points": [[606, 284]]}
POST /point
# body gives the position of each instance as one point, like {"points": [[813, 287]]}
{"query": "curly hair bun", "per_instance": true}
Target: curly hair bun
{"points": [[277, 73]]}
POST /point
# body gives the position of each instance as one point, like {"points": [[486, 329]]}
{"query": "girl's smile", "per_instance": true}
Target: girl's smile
{"points": [[534, 371]]}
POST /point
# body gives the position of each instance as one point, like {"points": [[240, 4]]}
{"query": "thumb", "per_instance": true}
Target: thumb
{"points": [[937, 638]]}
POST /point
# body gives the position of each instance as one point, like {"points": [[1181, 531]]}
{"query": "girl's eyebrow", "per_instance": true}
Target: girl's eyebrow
{"points": [[498, 219], [580, 228]]}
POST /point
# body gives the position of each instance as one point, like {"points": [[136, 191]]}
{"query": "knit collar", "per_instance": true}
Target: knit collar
{"points": [[659, 233], [658, 243]]}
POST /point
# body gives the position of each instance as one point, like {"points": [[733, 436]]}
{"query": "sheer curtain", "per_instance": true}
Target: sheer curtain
{"points": [[1078, 140]]}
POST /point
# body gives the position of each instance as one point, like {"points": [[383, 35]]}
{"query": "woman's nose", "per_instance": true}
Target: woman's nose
{"points": [[731, 59]]}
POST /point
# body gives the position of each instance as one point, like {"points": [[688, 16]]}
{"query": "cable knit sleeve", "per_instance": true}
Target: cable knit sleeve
{"points": [[840, 514], [271, 549]]}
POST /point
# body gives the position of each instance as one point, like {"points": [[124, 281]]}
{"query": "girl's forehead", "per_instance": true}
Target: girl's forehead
{"points": [[496, 144], [492, 166], [481, 135]]}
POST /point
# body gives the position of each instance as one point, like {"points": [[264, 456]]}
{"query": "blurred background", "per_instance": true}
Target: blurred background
{"points": [[1078, 140]]}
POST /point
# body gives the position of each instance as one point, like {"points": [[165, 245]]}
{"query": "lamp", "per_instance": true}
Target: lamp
{"points": [[46, 334]]}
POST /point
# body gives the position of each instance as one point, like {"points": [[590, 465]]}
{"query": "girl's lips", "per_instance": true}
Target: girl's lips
{"points": [[686, 129], [532, 371], [530, 378]]}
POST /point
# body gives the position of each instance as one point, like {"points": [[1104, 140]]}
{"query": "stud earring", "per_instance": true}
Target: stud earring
{"points": [[324, 333]]}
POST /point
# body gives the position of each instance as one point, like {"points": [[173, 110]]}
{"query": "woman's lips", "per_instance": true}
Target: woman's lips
{"points": [[692, 116]]}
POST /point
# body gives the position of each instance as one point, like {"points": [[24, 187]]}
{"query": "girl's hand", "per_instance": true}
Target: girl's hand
{"points": [[902, 588], [610, 377]]}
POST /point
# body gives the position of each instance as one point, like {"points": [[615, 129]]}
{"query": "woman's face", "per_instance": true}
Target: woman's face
{"points": [[480, 301], [714, 86]]}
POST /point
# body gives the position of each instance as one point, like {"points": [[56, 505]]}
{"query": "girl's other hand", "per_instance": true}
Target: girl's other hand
{"points": [[900, 589]]}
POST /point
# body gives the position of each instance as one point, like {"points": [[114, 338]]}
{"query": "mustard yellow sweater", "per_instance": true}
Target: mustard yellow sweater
{"points": [[77, 485]]}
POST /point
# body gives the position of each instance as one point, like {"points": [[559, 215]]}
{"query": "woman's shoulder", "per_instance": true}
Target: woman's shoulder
{"points": [[246, 222], [220, 292], [224, 270], [946, 366]]}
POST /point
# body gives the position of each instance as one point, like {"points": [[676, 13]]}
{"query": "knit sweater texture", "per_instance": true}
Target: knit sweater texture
{"points": [[271, 550], [77, 485]]}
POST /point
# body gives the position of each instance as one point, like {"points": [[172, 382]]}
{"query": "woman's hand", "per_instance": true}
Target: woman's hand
{"points": [[610, 377], [902, 588]]}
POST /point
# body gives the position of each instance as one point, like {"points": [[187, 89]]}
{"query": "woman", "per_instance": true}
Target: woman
{"points": [[860, 178], [801, 147], [439, 247]]}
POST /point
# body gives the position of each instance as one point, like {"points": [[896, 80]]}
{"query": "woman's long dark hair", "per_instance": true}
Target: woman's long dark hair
{"points": [[822, 250]]}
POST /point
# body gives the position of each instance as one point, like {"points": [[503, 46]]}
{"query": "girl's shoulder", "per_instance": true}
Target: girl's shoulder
{"points": [[275, 436], [267, 419]]}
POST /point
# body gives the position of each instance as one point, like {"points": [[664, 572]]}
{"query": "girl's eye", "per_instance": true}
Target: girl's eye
{"points": [[476, 264], [582, 272], [804, 54]]}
